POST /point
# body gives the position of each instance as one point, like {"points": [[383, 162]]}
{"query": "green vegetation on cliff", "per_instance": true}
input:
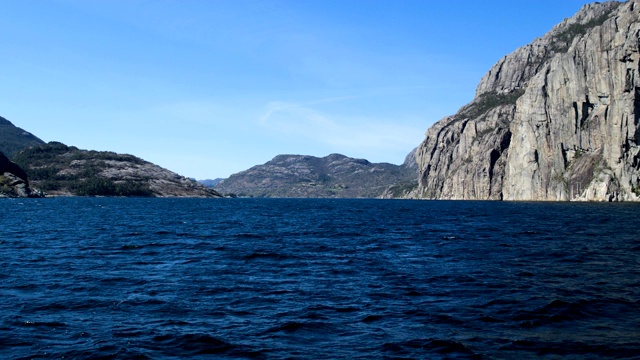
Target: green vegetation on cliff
{"points": [[57, 168], [563, 39]]}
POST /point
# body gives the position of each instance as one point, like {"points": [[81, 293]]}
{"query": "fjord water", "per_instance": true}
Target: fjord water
{"points": [[117, 278]]}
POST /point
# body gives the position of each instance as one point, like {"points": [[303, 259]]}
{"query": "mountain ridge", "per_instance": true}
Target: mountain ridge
{"points": [[14, 139], [62, 170], [332, 176]]}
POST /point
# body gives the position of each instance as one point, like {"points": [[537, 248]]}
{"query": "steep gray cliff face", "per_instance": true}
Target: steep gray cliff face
{"points": [[555, 120]]}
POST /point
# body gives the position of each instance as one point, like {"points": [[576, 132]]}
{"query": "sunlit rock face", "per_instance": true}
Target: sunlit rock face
{"points": [[557, 119]]}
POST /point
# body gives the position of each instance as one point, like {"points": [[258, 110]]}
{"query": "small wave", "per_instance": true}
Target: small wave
{"points": [[140, 300], [438, 346], [528, 232], [525, 274], [445, 319], [264, 255], [129, 333], [372, 318], [120, 280], [194, 344], [490, 319], [347, 309], [315, 316], [280, 292], [103, 352], [248, 236], [133, 234], [382, 296], [574, 348], [295, 326], [501, 302], [49, 324], [560, 310]]}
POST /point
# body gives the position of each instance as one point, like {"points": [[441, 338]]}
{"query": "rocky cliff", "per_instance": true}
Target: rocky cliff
{"points": [[64, 170], [333, 176], [558, 119]]}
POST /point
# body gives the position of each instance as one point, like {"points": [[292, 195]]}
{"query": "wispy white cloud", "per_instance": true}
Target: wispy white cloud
{"points": [[362, 136]]}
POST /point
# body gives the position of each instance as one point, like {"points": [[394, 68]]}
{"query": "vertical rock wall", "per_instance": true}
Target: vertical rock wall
{"points": [[555, 120]]}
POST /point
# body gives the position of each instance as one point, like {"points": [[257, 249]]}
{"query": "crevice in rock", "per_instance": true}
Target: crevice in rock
{"points": [[493, 158], [497, 77], [587, 106], [628, 82], [576, 115], [463, 126], [506, 141], [636, 106]]}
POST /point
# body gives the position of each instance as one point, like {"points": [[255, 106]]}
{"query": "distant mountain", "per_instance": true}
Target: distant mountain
{"points": [[333, 176], [210, 182], [14, 139], [59, 169]]}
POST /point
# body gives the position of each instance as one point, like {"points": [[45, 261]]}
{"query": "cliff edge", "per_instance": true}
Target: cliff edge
{"points": [[558, 119]]}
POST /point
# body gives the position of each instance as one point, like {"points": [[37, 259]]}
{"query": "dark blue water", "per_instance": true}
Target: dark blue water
{"points": [[275, 279]]}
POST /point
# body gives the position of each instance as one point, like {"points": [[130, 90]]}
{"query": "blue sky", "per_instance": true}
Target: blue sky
{"points": [[207, 88]]}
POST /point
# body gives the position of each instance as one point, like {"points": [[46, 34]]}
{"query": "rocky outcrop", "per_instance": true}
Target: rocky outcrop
{"points": [[13, 180], [333, 176], [62, 170], [558, 119]]}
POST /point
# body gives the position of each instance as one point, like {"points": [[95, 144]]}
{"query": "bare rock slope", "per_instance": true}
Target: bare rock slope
{"points": [[333, 176], [558, 119], [64, 170]]}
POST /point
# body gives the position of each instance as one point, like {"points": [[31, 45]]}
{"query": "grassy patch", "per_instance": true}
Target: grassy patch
{"points": [[488, 101]]}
